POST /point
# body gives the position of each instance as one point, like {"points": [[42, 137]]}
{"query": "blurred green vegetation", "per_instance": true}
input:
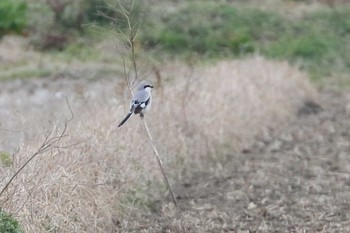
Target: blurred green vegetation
{"points": [[54, 24], [318, 41], [211, 29], [5, 159], [12, 16], [8, 224]]}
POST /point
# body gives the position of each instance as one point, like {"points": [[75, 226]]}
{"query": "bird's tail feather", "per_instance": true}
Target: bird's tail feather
{"points": [[125, 119]]}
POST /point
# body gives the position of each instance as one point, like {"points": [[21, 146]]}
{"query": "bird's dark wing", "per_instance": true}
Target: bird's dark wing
{"points": [[139, 106]]}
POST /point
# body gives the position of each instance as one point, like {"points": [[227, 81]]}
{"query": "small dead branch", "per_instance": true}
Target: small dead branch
{"points": [[49, 143]]}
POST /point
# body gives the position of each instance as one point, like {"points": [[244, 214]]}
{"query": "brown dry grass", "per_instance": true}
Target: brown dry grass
{"points": [[110, 179]]}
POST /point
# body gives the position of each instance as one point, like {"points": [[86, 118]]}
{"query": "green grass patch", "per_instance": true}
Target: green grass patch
{"points": [[210, 29], [319, 42], [5, 159], [25, 73], [8, 224], [81, 50], [12, 16]]}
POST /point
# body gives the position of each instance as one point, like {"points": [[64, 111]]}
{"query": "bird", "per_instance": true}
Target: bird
{"points": [[141, 101]]}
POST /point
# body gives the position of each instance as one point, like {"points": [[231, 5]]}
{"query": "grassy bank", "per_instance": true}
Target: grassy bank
{"points": [[318, 41]]}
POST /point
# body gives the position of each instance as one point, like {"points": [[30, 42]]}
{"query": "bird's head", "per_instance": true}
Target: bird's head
{"points": [[145, 85]]}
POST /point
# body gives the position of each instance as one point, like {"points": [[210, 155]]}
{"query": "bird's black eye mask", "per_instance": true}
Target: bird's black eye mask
{"points": [[148, 86]]}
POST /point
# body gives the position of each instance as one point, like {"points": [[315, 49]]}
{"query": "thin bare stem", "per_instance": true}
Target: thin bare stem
{"points": [[133, 30], [160, 163], [126, 76], [47, 144]]}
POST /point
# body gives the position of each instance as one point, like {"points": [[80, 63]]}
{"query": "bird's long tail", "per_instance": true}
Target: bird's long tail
{"points": [[125, 119]]}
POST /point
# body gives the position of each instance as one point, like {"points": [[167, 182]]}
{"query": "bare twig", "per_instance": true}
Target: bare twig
{"points": [[160, 163], [126, 76], [47, 144]]}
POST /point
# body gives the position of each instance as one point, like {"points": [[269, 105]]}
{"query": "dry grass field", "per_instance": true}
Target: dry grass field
{"points": [[244, 148]]}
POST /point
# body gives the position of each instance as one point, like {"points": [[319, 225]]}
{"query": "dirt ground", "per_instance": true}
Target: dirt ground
{"points": [[294, 180]]}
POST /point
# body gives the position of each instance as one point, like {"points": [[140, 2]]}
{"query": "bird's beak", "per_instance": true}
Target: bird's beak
{"points": [[151, 86]]}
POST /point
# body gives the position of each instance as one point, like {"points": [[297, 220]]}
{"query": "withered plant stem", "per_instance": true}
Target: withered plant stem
{"points": [[160, 163]]}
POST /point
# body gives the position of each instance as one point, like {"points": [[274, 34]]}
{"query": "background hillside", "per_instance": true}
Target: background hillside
{"points": [[250, 116]]}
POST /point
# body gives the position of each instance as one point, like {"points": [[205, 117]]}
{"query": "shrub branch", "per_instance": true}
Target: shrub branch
{"points": [[49, 143]]}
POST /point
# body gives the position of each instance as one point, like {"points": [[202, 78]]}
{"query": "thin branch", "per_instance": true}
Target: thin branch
{"points": [[47, 144], [160, 163], [126, 76]]}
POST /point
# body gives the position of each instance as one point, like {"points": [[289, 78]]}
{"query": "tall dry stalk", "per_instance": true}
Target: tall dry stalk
{"points": [[129, 41], [160, 163]]}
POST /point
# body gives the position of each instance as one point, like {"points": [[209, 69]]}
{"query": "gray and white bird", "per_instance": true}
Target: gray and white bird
{"points": [[141, 101]]}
